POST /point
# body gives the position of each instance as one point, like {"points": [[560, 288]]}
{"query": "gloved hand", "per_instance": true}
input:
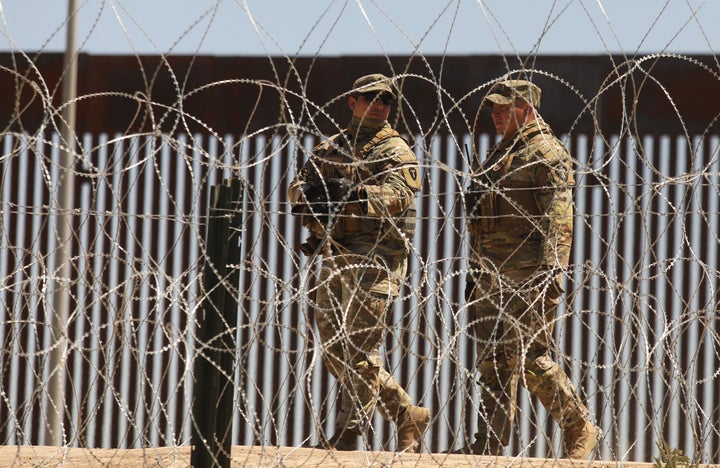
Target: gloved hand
{"points": [[314, 202], [342, 189], [472, 197], [314, 194]]}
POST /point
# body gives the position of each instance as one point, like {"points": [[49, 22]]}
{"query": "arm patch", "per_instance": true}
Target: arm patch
{"points": [[411, 174]]}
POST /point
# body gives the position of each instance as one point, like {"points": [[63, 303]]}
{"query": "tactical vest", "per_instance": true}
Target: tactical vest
{"points": [[507, 201], [511, 228], [391, 234]]}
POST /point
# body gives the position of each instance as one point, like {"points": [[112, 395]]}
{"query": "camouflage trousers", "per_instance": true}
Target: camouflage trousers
{"points": [[513, 320], [353, 297]]}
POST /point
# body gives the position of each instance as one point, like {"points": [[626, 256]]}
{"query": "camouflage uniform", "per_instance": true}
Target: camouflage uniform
{"points": [[520, 224], [364, 245]]}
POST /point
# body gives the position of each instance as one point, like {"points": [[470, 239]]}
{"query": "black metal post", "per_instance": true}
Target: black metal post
{"points": [[216, 345]]}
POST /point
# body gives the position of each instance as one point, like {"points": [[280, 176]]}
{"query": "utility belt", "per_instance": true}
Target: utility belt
{"points": [[314, 246], [385, 236]]}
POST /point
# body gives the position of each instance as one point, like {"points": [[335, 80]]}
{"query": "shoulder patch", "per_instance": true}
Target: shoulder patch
{"points": [[411, 174]]}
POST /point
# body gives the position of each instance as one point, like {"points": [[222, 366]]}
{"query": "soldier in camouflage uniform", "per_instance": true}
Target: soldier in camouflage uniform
{"points": [[356, 196], [520, 222]]}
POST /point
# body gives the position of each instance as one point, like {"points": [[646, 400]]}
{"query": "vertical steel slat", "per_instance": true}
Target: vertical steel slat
{"points": [[651, 218]]}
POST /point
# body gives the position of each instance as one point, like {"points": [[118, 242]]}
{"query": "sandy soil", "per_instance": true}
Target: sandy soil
{"points": [[257, 457]]}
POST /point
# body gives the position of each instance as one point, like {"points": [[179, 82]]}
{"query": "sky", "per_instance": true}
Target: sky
{"points": [[365, 27]]}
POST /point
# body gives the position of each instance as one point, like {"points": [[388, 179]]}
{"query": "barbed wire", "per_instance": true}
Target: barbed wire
{"points": [[636, 332]]}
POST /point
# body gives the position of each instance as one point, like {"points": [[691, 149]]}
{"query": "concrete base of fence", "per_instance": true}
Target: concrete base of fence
{"points": [[267, 457]]}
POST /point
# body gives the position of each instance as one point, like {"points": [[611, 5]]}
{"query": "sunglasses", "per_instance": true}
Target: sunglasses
{"points": [[385, 98]]}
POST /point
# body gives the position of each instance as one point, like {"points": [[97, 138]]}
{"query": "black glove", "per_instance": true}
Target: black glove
{"points": [[314, 203], [341, 189], [314, 194], [472, 198]]}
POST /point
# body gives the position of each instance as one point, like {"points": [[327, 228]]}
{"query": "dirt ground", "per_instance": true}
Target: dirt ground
{"points": [[260, 457]]}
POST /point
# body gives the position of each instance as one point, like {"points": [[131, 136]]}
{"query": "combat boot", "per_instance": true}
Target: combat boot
{"points": [[343, 440], [411, 427], [480, 446], [580, 439], [551, 385]]}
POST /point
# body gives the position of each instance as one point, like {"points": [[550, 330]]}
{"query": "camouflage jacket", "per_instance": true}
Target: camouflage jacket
{"points": [[381, 161], [520, 207]]}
